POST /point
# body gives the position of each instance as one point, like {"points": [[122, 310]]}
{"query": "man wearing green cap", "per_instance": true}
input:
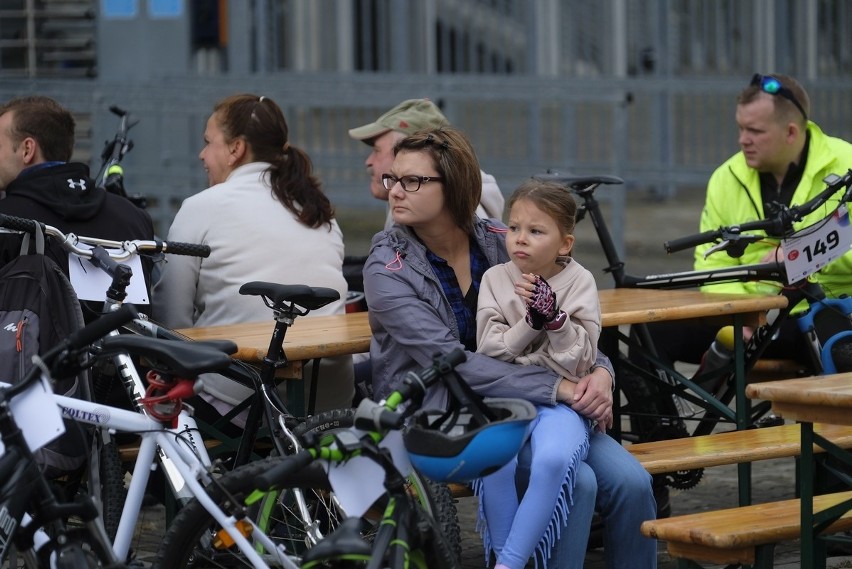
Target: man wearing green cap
{"points": [[407, 118]]}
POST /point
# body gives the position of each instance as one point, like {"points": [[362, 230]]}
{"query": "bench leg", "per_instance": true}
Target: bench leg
{"points": [[764, 556]]}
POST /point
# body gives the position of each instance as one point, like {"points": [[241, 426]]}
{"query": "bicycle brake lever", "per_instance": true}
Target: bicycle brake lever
{"points": [[717, 247]]}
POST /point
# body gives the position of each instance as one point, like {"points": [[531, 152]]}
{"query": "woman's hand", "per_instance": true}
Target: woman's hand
{"points": [[593, 397]]}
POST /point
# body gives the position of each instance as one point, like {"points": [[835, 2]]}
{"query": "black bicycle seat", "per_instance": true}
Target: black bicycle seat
{"points": [[225, 346], [187, 359], [578, 183], [310, 297]]}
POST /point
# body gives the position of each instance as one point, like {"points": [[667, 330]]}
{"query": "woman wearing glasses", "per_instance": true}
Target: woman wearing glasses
{"points": [[265, 218], [422, 280]]}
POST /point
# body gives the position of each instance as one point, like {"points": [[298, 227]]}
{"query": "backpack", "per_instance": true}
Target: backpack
{"points": [[38, 308]]}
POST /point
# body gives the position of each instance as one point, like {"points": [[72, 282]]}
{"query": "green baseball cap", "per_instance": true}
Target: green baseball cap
{"points": [[407, 117]]}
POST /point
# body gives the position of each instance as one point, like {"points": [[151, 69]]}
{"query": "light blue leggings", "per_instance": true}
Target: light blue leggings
{"points": [[515, 530]]}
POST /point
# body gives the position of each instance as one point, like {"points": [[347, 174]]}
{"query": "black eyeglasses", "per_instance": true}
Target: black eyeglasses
{"points": [[771, 85], [409, 183]]}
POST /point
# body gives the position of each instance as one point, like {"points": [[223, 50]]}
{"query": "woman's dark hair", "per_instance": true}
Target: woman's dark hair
{"points": [[46, 121], [456, 163], [261, 123], [551, 198]]}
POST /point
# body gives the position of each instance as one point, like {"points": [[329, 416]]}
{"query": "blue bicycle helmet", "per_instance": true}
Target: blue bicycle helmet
{"points": [[460, 445]]}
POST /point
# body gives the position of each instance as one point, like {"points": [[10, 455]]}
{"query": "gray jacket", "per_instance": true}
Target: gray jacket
{"points": [[412, 321]]}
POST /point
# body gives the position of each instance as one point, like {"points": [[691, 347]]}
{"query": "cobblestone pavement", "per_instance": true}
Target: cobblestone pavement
{"points": [[772, 480]]}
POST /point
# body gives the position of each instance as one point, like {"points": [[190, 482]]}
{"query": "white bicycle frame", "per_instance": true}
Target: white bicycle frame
{"points": [[186, 423], [184, 460]]}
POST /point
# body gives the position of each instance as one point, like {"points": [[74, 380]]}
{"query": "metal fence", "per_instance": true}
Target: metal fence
{"points": [[659, 135], [643, 89]]}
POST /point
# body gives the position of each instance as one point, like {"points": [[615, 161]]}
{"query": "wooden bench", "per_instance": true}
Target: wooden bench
{"points": [[719, 449], [746, 535], [773, 369]]}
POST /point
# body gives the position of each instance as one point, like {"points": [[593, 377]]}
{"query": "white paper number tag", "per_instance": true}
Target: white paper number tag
{"points": [[359, 481], [812, 248], [37, 414], [91, 283]]}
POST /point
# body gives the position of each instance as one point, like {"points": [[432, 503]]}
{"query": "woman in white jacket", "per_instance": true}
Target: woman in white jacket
{"points": [[265, 218]]}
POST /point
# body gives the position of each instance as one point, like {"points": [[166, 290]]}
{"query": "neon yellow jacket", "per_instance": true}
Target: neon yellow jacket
{"points": [[733, 197]]}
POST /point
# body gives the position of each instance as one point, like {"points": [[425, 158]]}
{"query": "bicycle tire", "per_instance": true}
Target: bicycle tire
{"points": [[434, 497], [437, 550], [112, 492], [187, 542], [841, 356], [646, 405]]}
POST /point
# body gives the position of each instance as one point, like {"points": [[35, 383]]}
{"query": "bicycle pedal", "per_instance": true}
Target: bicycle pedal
{"points": [[769, 421]]}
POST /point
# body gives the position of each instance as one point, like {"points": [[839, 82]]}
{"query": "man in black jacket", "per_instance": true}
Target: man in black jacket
{"points": [[38, 181]]}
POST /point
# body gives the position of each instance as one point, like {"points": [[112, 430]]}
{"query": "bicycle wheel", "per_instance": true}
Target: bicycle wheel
{"points": [[435, 498], [421, 542], [191, 538], [106, 484]]}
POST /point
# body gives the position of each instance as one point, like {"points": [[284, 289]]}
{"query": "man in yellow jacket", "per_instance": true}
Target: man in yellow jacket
{"points": [[784, 158]]}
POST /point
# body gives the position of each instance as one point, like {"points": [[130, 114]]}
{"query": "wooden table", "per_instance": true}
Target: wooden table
{"points": [[824, 399], [323, 336], [340, 334], [625, 306], [307, 339], [643, 306]]}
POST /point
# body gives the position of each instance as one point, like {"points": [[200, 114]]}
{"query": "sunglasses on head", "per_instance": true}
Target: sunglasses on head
{"points": [[771, 85]]}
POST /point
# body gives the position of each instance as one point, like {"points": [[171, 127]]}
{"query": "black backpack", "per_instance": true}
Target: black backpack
{"points": [[38, 308]]}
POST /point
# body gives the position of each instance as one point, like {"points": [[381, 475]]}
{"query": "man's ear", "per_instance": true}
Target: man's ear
{"points": [[30, 151], [793, 130]]}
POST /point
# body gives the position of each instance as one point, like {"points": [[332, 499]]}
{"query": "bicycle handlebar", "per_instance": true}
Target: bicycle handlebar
{"points": [[121, 250], [779, 225], [417, 382]]}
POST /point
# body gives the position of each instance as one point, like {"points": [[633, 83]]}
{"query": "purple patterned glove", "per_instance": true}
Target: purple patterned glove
{"points": [[542, 308]]}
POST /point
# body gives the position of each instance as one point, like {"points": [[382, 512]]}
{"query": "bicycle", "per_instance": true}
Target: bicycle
{"points": [[111, 174], [34, 521], [655, 394], [174, 367], [473, 437], [304, 516]]}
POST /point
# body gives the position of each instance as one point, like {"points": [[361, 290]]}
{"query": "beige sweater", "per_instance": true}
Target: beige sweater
{"points": [[502, 331]]}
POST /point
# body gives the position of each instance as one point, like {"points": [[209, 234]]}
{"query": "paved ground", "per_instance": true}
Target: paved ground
{"points": [[772, 480], [648, 224]]}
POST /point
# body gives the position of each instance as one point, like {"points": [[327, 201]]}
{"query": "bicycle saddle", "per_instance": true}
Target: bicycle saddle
{"points": [[578, 183], [187, 359], [225, 346], [310, 297]]}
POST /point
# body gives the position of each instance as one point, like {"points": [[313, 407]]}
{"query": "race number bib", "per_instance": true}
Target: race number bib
{"points": [[812, 248]]}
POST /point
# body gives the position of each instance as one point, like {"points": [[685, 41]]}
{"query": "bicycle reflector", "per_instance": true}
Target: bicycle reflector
{"points": [[454, 446]]}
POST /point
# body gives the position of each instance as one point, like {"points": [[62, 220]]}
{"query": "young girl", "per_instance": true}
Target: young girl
{"points": [[541, 308]]}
